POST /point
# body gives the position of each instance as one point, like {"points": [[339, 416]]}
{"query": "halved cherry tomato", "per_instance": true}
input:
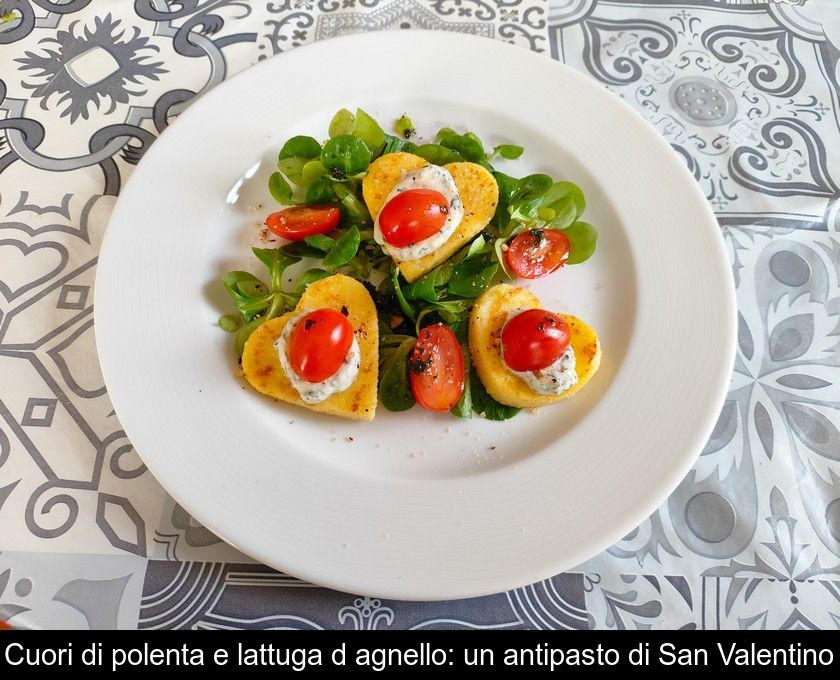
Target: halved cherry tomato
{"points": [[300, 221], [319, 344], [436, 368], [413, 216], [534, 339], [538, 252]]}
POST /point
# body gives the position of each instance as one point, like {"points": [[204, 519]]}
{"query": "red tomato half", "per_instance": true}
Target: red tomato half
{"points": [[534, 339], [537, 253], [413, 216], [300, 221], [319, 344], [436, 368]]}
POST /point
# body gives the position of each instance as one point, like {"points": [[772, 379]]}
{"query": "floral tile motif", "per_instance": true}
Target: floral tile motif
{"points": [[777, 586], [776, 442], [750, 539], [772, 456], [297, 22], [641, 601], [204, 595], [84, 66], [758, 603], [782, 418], [780, 582], [727, 87], [117, 77], [70, 592], [180, 538], [68, 474]]}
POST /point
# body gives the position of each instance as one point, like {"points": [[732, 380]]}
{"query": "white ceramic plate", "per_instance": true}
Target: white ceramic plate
{"points": [[417, 505]]}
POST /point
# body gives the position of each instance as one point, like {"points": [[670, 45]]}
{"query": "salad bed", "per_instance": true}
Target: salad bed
{"points": [[536, 228]]}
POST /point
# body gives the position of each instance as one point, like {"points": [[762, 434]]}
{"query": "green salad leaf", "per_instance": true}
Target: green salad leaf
{"points": [[508, 151], [310, 276], [230, 323], [312, 171], [280, 189], [245, 331], [342, 123], [321, 192], [256, 301], [472, 277], [583, 238], [368, 130], [467, 146], [354, 208], [477, 247], [293, 169], [449, 310], [527, 198], [464, 407], [437, 154], [300, 146], [484, 405], [561, 205], [344, 249], [499, 252], [300, 249], [507, 187], [404, 127], [426, 287], [394, 388], [394, 144], [407, 309], [277, 260], [250, 295], [345, 155], [320, 242]]}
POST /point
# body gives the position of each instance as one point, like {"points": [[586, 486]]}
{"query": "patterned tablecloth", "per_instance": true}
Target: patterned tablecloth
{"points": [[747, 95]]}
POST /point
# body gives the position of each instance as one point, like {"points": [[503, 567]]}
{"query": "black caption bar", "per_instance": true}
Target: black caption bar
{"points": [[467, 652]]}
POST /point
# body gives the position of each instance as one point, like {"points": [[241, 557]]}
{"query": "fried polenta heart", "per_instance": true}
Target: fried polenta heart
{"points": [[476, 187], [489, 315], [261, 365]]}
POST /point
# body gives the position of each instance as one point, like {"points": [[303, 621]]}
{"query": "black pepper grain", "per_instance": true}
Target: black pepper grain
{"points": [[418, 365]]}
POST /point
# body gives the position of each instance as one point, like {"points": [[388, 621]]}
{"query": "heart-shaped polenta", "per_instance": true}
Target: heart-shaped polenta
{"points": [[489, 315], [476, 187], [262, 368]]}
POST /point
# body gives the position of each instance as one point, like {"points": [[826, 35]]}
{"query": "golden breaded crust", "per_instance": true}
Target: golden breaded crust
{"points": [[383, 174], [476, 187], [486, 321], [263, 371]]}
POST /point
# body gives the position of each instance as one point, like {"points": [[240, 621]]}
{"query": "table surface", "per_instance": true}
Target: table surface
{"points": [[750, 539]]}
